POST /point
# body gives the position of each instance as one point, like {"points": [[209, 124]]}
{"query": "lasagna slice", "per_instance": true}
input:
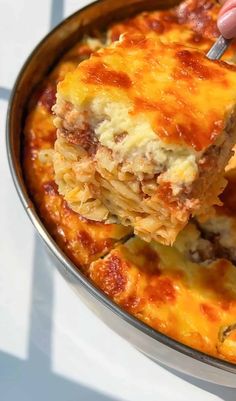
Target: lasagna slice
{"points": [[144, 133]]}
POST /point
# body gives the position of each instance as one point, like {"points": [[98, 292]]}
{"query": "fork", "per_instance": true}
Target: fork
{"points": [[218, 48]]}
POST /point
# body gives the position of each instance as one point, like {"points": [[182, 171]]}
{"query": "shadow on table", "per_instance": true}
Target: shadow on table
{"points": [[4, 93], [57, 12], [33, 379], [224, 393]]}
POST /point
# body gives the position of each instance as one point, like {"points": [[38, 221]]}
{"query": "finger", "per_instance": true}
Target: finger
{"points": [[227, 6], [227, 23]]}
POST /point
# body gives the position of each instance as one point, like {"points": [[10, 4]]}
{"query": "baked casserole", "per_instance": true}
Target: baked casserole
{"points": [[182, 291]]}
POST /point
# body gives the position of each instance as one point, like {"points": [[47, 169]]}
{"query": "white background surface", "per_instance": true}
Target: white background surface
{"points": [[51, 345]]}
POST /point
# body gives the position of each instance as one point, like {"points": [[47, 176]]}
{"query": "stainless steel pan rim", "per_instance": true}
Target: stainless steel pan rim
{"points": [[57, 252]]}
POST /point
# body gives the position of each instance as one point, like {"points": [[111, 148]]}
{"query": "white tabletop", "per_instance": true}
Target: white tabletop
{"points": [[46, 351]]}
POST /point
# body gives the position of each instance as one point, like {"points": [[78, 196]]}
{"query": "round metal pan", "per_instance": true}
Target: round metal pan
{"points": [[154, 344]]}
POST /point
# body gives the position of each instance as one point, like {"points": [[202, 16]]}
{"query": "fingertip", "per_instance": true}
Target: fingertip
{"points": [[227, 24], [227, 5]]}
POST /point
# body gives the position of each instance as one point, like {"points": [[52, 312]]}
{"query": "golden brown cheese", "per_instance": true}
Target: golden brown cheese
{"points": [[167, 83], [192, 23], [169, 26], [188, 302], [165, 291]]}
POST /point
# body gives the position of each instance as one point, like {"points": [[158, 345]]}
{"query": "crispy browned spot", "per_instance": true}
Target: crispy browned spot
{"points": [[110, 276], [50, 188], [132, 303], [145, 104], [194, 65], [151, 257], [155, 25], [209, 311], [94, 247], [196, 38], [161, 289], [231, 67], [132, 41], [100, 74]]}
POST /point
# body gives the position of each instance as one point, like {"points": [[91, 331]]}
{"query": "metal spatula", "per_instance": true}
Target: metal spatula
{"points": [[218, 49]]}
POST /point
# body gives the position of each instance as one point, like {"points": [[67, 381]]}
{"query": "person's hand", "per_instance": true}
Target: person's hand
{"points": [[227, 19]]}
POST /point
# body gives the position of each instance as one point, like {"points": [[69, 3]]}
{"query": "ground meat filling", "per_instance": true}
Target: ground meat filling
{"points": [[209, 248], [73, 126], [82, 137]]}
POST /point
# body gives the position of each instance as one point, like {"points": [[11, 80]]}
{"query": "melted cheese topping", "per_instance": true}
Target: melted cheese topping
{"points": [[191, 19], [192, 303], [165, 88], [192, 23]]}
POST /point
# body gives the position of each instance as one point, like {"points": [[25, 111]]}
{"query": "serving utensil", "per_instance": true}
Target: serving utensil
{"points": [[218, 48]]}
